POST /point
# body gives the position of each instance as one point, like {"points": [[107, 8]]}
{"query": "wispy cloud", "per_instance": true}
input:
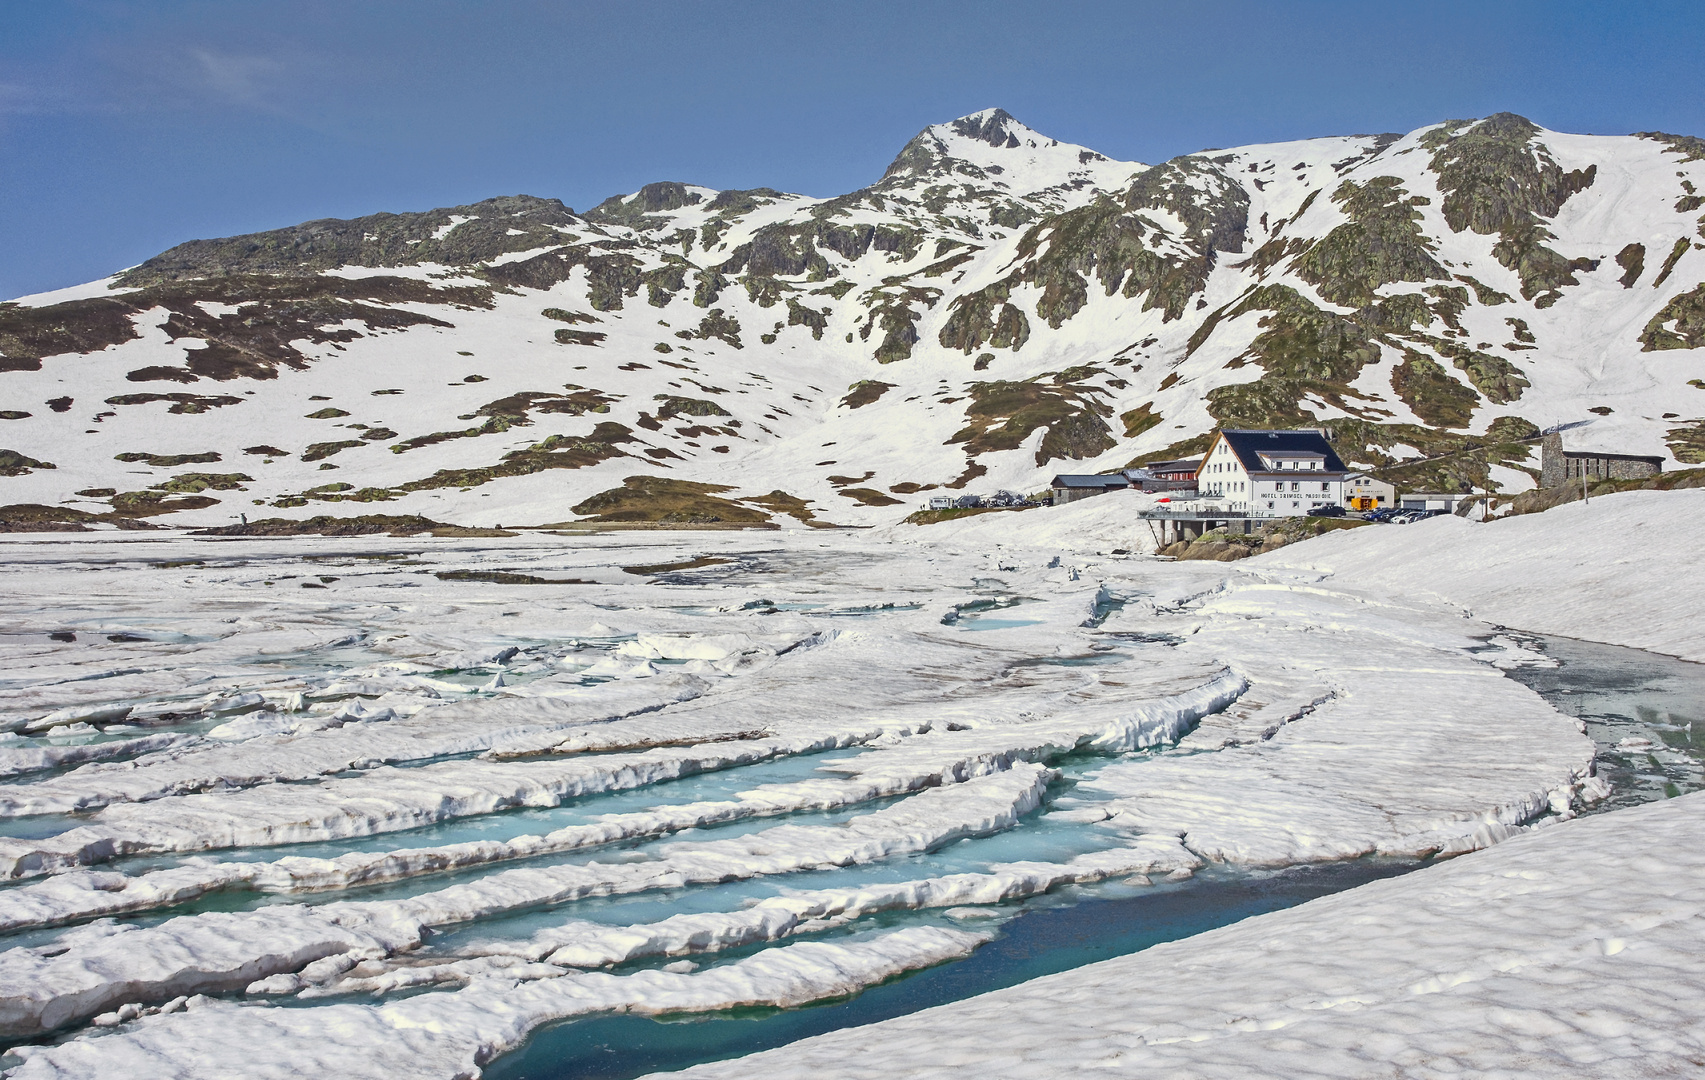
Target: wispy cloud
{"points": [[173, 78], [238, 78]]}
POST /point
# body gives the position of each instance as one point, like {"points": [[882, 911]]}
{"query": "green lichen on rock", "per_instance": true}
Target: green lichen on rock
{"points": [[485, 231], [899, 322], [637, 211], [1679, 325], [142, 504], [984, 318], [1140, 419], [662, 501], [327, 413], [321, 450], [1485, 294], [794, 249], [716, 324], [1431, 394], [611, 273], [869, 497], [1113, 241], [555, 452], [514, 411], [1687, 442], [168, 460], [1497, 178], [685, 406], [865, 392], [766, 291], [663, 283], [800, 315], [1689, 147], [13, 463], [192, 483], [327, 525], [1381, 243], [1632, 259], [708, 286], [1213, 208], [570, 317], [1495, 377], [1309, 353], [1674, 256], [1002, 415], [1303, 350]]}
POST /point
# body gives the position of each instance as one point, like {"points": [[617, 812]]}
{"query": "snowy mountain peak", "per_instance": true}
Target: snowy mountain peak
{"points": [[993, 126], [994, 147]]}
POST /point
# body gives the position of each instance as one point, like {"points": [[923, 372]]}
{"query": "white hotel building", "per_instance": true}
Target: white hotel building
{"points": [[1270, 473]]}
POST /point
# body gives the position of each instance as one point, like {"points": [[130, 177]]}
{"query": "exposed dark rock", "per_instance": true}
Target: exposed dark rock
{"points": [[376, 240]]}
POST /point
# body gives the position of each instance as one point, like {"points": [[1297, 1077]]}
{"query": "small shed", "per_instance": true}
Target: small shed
{"points": [[1070, 488], [1448, 501], [1363, 492]]}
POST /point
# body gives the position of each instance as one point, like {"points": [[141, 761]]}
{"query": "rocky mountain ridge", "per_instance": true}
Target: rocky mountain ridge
{"points": [[998, 306]]}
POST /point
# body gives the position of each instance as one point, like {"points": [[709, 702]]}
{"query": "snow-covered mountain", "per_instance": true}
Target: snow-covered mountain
{"points": [[997, 307]]}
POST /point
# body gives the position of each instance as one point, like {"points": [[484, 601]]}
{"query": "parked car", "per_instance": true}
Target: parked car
{"points": [[1326, 511], [1406, 517]]}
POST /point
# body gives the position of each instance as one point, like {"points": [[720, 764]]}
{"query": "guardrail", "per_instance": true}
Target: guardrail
{"points": [[1214, 515]]}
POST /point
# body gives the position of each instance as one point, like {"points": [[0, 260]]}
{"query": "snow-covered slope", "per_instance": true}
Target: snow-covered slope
{"points": [[997, 307]]}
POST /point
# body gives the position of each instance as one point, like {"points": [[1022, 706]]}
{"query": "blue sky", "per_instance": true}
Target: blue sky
{"points": [[126, 127]]}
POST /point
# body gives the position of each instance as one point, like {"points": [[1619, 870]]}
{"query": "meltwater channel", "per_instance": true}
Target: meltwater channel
{"points": [[1646, 713]]}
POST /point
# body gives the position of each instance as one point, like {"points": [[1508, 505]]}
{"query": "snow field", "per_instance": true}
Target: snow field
{"points": [[1133, 718], [1623, 569]]}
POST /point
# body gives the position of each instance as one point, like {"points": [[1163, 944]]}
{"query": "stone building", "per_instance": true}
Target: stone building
{"points": [[1070, 488], [1558, 466]]}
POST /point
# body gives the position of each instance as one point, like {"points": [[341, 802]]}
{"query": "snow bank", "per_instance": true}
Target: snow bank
{"points": [[1099, 523], [1623, 569]]}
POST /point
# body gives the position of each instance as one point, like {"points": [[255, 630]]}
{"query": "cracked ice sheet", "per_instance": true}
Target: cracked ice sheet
{"points": [[450, 1034], [92, 968], [1571, 951], [904, 667], [926, 759], [1410, 730]]}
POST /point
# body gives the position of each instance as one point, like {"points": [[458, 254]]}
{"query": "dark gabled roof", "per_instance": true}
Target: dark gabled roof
{"points": [[1249, 445], [1066, 480], [1606, 456], [1176, 465]]}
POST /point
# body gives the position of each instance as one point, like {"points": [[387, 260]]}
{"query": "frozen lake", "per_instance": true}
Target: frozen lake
{"points": [[327, 795]]}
